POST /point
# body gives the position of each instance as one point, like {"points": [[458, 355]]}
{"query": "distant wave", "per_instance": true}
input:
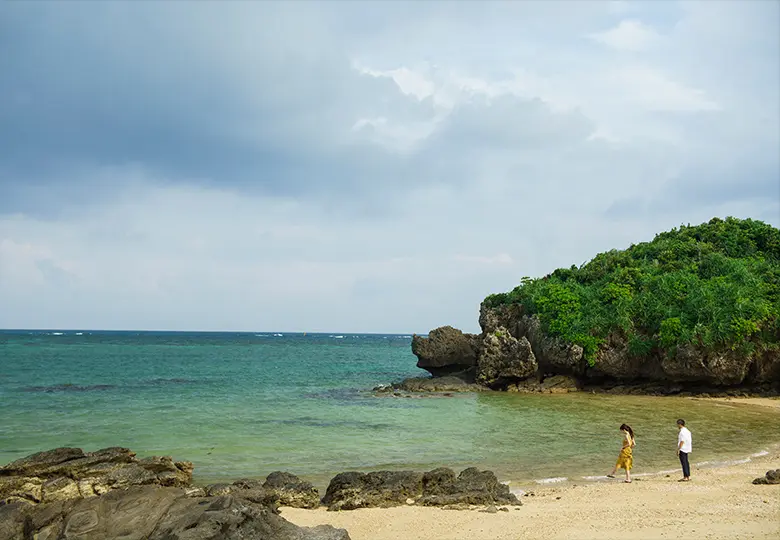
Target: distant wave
{"points": [[79, 333], [337, 337], [56, 334], [279, 335]]}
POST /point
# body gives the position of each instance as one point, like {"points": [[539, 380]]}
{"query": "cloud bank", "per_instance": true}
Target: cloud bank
{"points": [[363, 167]]}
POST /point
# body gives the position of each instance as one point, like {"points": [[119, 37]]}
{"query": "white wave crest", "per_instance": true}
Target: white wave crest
{"points": [[554, 480]]}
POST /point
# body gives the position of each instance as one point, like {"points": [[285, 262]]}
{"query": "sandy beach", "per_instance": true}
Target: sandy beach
{"points": [[719, 503]]}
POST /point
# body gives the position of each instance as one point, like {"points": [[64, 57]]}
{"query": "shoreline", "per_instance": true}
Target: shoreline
{"points": [[719, 503]]}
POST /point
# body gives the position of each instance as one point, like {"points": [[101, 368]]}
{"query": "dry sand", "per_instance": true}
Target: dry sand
{"points": [[719, 503]]}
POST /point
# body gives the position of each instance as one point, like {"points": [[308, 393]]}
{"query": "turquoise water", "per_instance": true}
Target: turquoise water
{"points": [[244, 405]]}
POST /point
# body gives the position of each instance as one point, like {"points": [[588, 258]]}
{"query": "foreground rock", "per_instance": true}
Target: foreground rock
{"points": [[70, 473], [771, 477], [66, 493], [440, 487], [154, 513]]}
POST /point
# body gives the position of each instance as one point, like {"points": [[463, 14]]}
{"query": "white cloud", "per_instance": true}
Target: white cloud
{"points": [[629, 35], [651, 89]]}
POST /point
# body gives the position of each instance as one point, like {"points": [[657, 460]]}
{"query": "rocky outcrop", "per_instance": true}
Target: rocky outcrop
{"points": [[472, 486], [504, 359], [446, 351], [66, 493], [692, 364], [154, 513], [70, 473], [448, 383], [279, 489], [514, 353], [557, 384], [289, 490], [440, 487], [771, 477], [351, 490]]}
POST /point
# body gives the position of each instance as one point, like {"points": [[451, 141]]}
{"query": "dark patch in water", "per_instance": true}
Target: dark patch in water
{"points": [[69, 388], [314, 422]]}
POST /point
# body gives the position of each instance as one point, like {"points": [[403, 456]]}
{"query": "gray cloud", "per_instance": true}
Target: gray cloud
{"points": [[294, 165]]}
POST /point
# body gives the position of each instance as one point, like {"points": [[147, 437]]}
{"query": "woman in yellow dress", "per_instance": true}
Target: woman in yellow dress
{"points": [[625, 458]]}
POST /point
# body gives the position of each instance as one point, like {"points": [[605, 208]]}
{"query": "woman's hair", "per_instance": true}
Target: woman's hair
{"points": [[626, 427]]}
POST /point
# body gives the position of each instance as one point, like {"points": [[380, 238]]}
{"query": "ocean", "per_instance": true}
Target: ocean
{"points": [[241, 405]]}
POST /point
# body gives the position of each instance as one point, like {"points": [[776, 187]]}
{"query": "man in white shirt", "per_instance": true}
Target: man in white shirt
{"points": [[684, 447]]}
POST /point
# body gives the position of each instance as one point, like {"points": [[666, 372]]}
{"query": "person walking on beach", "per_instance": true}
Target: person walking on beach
{"points": [[684, 447], [625, 458]]}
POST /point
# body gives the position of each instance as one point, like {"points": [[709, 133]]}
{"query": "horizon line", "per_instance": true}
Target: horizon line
{"points": [[207, 331]]}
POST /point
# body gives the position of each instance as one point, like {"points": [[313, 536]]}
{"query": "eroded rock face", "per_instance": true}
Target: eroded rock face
{"points": [[552, 355], [64, 474], [506, 316], [154, 513], [504, 359], [439, 487], [446, 351], [689, 363]]}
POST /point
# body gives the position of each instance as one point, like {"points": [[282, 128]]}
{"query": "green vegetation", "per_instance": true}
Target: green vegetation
{"points": [[716, 286]]}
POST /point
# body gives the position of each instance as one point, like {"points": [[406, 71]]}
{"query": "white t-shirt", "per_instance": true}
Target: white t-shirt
{"points": [[684, 437]]}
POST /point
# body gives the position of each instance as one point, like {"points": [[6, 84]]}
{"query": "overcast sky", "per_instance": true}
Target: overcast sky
{"points": [[361, 166]]}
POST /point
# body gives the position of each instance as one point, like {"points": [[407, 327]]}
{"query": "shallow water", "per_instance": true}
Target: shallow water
{"points": [[243, 405]]}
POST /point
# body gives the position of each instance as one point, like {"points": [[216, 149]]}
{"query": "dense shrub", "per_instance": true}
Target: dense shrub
{"points": [[715, 285]]}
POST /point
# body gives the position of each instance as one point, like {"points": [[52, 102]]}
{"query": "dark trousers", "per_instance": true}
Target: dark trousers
{"points": [[685, 465]]}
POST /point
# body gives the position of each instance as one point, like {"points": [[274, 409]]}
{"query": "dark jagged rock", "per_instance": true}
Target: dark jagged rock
{"points": [[154, 513], [289, 490], [446, 351], [504, 359], [70, 473], [66, 494], [439, 487], [351, 490], [471, 487], [771, 477]]}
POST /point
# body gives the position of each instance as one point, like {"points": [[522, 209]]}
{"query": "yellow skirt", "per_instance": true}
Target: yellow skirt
{"points": [[625, 459]]}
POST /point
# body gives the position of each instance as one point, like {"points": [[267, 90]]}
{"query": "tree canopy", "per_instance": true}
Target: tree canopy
{"points": [[714, 285]]}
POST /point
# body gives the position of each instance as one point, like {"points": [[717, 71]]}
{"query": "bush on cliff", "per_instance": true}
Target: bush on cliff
{"points": [[715, 286]]}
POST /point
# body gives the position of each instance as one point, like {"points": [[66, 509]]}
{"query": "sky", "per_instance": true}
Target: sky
{"points": [[362, 166]]}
